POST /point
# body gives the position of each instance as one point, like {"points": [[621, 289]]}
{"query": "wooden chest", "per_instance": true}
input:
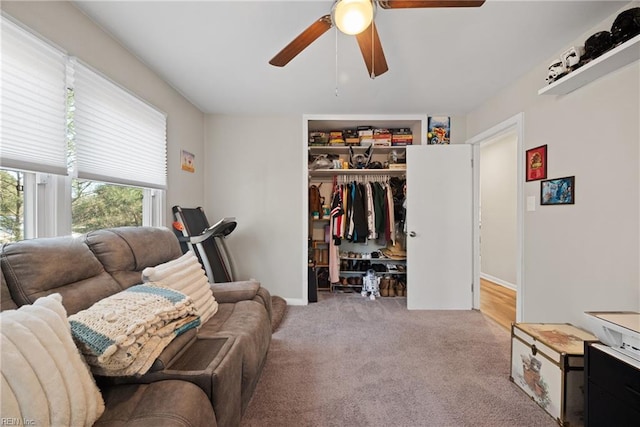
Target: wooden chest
{"points": [[547, 363]]}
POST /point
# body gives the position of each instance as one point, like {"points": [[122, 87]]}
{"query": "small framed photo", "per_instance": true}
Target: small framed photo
{"points": [[537, 163], [558, 191], [439, 130], [187, 161]]}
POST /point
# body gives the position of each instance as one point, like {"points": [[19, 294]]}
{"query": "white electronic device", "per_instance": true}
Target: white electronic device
{"points": [[620, 330]]}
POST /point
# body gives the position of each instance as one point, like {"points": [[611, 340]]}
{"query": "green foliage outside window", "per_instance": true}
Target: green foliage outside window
{"points": [[97, 205], [11, 207]]}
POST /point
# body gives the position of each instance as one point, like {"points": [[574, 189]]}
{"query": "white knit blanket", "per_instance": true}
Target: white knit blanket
{"points": [[124, 333]]}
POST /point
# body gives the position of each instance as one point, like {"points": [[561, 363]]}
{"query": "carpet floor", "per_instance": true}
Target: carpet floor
{"points": [[350, 361]]}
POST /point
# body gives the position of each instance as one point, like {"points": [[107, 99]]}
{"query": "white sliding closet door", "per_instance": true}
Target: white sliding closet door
{"points": [[439, 227]]}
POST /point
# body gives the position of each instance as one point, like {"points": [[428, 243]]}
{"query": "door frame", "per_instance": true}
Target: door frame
{"points": [[515, 123]]}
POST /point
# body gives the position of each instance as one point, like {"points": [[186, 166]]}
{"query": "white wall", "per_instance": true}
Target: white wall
{"points": [[498, 192], [63, 24], [254, 172], [584, 256]]}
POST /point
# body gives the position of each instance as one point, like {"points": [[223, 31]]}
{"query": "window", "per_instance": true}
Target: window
{"points": [[77, 151]]}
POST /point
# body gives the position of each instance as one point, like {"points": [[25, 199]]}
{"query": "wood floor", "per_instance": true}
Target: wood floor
{"points": [[498, 303]]}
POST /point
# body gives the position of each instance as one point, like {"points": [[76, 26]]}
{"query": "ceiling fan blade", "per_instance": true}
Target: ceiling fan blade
{"points": [[305, 38], [372, 52], [414, 4]]}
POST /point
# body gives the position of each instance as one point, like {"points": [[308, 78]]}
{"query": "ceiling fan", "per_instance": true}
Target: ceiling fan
{"points": [[355, 17]]}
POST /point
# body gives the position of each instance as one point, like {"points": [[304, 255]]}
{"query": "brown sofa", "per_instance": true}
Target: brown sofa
{"points": [[204, 377]]}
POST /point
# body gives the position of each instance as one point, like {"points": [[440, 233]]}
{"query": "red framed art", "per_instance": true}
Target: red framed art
{"points": [[537, 163]]}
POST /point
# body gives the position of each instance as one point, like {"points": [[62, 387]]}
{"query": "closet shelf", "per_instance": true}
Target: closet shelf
{"points": [[344, 149], [332, 172], [378, 273], [608, 62]]}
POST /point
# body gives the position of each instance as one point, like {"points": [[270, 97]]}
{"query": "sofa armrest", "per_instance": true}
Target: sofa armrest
{"points": [[232, 292], [264, 297]]}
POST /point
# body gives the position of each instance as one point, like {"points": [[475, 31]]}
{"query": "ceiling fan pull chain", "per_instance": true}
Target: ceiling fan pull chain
{"points": [[336, 62]]}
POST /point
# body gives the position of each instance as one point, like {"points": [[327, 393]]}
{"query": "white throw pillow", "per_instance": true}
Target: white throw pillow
{"points": [[45, 381], [186, 275]]}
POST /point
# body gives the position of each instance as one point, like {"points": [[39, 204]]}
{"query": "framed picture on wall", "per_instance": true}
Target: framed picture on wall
{"points": [[439, 130], [558, 191], [187, 161], [537, 163]]}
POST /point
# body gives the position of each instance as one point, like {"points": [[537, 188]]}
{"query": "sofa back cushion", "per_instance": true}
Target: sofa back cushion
{"points": [[6, 302], [126, 251], [64, 265]]}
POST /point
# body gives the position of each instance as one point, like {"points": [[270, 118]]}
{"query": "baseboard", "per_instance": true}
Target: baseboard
{"points": [[296, 301], [498, 281]]}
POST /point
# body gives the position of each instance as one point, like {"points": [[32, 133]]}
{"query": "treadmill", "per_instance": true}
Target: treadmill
{"points": [[207, 241]]}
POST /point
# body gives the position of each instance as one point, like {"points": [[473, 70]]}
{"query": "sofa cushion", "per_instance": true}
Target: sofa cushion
{"points": [[249, 323], [64, 265], [44, 378], [164, 403], [185, 274], [126, 251]]}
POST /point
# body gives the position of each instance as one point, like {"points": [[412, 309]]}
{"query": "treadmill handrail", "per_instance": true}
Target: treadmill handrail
{"points": [[220, 229]]}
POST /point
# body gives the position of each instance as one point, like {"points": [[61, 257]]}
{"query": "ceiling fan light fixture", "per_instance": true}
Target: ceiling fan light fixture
{"points": [[353, 16]]}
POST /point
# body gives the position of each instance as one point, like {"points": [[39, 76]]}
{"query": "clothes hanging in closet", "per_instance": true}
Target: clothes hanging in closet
{"points": [[363, 211]]}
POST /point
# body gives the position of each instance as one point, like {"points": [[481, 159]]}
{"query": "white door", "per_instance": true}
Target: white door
{"points": [[439, 227]]}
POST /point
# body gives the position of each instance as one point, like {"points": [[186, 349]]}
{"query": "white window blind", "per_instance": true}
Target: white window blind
{"points": [[119, 138], [33, 102]]}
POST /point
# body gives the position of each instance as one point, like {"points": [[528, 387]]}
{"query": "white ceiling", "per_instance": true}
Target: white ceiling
{"points": [[441, 61]]}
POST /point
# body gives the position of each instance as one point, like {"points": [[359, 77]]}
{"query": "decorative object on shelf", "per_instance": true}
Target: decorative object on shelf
{"points": [[439, 130], [568, 61], [556, 71], [536, 166], [596, 45], [187, 161], [571, 57], [626, 26], [558, 191], [360, 160]]}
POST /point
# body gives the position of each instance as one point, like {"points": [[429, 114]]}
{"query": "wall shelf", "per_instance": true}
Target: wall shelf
{"points": [[608, 62]]}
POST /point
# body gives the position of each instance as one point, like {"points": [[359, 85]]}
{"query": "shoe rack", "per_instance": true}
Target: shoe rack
{"points": [[353, 266]]}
